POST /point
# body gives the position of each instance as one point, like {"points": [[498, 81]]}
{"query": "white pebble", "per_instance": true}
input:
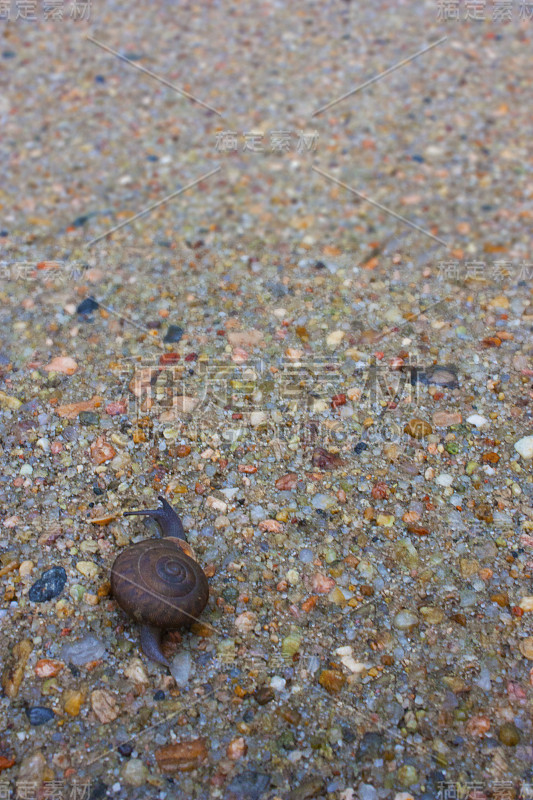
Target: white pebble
{"points": [[444, 479], [524, 446], [181, 667], [477, 420], [278, 683]]}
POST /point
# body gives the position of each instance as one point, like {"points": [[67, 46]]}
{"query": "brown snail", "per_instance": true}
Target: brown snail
{"points": [[158, 582]]}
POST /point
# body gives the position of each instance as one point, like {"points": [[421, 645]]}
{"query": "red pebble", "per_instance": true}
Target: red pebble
{"points": [[338, 400], [380, 491]]}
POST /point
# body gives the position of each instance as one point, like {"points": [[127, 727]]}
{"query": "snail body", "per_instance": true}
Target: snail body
{"points": [[158, 582]]}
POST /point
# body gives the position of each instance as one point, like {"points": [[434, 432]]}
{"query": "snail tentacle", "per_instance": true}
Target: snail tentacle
{"points": [[167, 519], [151, 639]]}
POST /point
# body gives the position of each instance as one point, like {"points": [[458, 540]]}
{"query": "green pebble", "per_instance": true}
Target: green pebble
{"points": [[407, 775], [77, 591], [471, 467], [286, 740], [452, 448], [89, 418], [509, 734]]}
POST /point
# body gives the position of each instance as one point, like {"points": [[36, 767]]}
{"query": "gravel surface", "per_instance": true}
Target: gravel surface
{"points": [[314, 340]]}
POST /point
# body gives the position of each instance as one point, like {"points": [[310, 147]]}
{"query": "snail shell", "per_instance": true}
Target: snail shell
{"points": [[159, 583]]}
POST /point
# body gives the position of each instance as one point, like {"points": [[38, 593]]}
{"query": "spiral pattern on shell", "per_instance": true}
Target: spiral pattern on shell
{"points": [[158, 584]]}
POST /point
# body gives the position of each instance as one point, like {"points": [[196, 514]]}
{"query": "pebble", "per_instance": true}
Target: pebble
{"points": [[10, 402], [524, 447], [89, 418], [26, 568], [174, 334], [526, 647], [291, 645], [367, 792], [332, 680], [405, 620], [324, 459], [249, 785], [509, 734], [477, 420], [101, 451], [181, 668], [62, 364], [87, 306], [136, 672], [39, 715], [324, 502], [83, 651], [418, 428], [181, 756], [445, 419], [407, 775], [237, 748], [104, 705], [48, 668], [323, 584], [31, 772], [87, 568], [50, 584], [13, 674], [442, 376], [287, 482], [264, 695], [134, 772], [246, 621], [73, 700], [370, 747]]}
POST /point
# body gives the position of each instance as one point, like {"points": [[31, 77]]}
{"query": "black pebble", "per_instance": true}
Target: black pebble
{"points": [[80, 221], [50, 584], [320, 265], [98, 790], [159, 695], [359, 447], [39, 715], [173, 334], [87, 306], [248, 784], [370, 746], [348, 735], [125, 749]]}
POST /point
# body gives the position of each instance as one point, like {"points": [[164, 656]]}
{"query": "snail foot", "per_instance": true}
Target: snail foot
{"points": [[151, 639]]}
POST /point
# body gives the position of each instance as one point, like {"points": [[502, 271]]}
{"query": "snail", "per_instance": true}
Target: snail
{"points": [[158, 582]]}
